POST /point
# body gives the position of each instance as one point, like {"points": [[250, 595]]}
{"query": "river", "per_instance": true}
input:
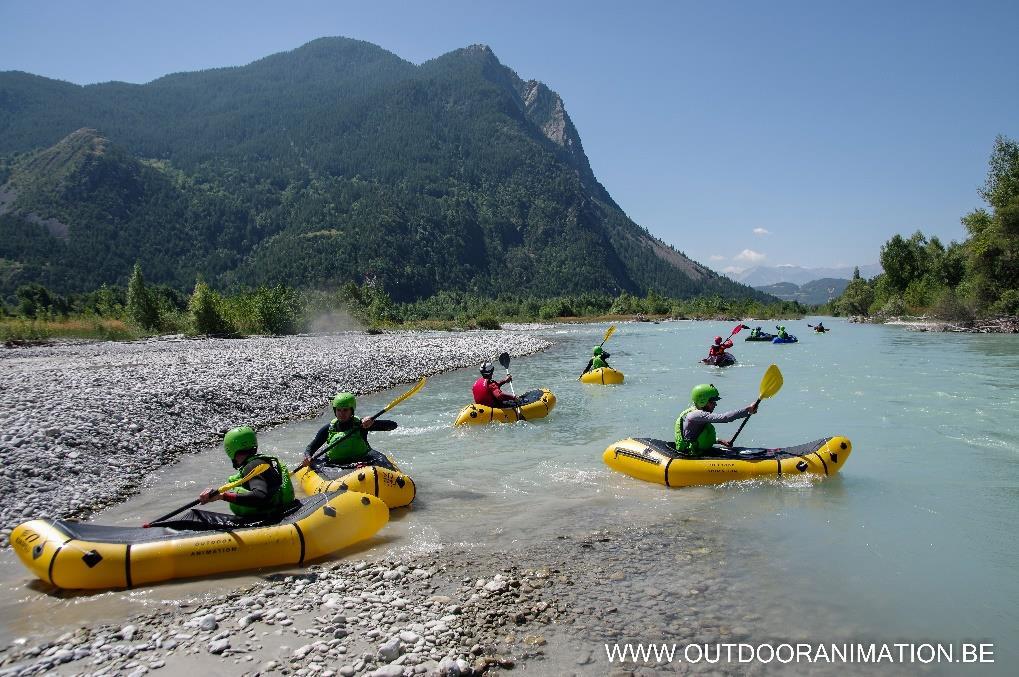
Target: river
{"points": [[914, 541]]}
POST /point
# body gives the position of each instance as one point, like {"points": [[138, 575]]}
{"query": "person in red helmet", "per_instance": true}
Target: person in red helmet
{"points": [[719, 347]]}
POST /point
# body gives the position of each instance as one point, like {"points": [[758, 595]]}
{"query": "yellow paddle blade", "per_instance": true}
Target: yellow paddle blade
{"points": [[609, 332], [255, 472], [410, 393], [772, 382]]}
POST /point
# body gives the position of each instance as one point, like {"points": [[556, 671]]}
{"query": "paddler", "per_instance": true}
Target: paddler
{"points": [[265, 494], [345, 448], [718, 348], [488, 392], [599, 359], [782, 334], [695, 432]]}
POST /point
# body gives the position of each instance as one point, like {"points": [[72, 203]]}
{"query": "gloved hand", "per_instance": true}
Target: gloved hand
{"points": [[208, 496]]}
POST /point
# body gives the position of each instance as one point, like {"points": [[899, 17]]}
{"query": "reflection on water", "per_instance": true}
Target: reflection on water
{"points": [[915, 539]]}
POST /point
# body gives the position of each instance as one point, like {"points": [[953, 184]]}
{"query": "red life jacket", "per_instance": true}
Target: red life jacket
{"points": [[483, 394], [716, 350]]}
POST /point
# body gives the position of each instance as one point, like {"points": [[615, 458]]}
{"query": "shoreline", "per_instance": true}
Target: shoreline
{"points": [[549, 606], [1001, 325], [81, 424]]}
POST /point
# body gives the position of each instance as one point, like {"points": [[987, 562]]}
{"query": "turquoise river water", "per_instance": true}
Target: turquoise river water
{"points": [[914, 541]]}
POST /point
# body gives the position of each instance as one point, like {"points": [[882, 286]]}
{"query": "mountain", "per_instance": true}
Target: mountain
{"points": [[75, 215], [814, 292], [334, 162], [762, 276]]}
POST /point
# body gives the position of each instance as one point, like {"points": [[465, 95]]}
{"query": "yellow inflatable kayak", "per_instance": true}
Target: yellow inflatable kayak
{"points": [[603, 375], [92, 556], [534, 404], [657, 461], [377, 475]]}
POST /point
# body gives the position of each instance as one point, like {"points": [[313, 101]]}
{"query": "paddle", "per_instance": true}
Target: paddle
{"points": [[258, 470], [770, 384], [324, 450], [738, 329], [608, 332], [504, 360]]}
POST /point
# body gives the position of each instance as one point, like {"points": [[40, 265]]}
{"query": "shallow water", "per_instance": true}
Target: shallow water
{"points": [[914, 541]]}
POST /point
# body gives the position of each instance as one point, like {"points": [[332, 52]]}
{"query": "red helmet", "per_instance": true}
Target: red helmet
{"points": [[718, 339]]}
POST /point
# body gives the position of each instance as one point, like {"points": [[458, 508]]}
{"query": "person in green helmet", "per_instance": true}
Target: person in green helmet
{"points": [[265, 494], [695, 430], [346, 436], [782, 333], [599, 359]]}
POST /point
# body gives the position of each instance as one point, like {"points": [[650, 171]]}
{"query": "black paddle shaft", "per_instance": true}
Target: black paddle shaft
{"points": [[172, 513], [741, 425]]}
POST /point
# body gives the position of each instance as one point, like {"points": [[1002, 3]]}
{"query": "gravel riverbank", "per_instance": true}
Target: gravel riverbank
{"points": [[549, 608], [81, 425]]}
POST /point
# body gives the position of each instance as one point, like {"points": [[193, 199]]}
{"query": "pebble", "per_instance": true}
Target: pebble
{"points": [[219, 646]]}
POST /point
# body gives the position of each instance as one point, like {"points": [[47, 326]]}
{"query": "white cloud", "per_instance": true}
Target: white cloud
{"points": [[761, 232], [750, 256], [716, 257]]}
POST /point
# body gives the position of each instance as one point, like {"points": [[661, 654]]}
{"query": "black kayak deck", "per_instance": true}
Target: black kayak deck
{"points": [[735, 453], [192, 523], [331, 471]]}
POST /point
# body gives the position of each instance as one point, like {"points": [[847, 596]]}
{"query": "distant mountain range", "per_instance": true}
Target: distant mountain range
{"points": [[814, 292], [762, 276], [335, 162]]}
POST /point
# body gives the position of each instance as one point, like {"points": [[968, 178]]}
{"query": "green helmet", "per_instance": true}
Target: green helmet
{"points": [[239, 439], [344, 401], [597, 351], [703, 393]]}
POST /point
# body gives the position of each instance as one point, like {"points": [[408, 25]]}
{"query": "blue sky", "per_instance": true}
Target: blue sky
{"points": [[743, 133]]}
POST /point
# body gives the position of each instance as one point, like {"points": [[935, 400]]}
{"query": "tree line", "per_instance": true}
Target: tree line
{"points": [[962, 281], [141, 309]]}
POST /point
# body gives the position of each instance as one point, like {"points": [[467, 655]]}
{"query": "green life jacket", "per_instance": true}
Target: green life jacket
{"points": [[598, 363], [283, 496], [704, 441], [351, 449]]}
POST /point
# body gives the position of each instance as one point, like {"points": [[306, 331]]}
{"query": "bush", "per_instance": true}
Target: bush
{"points": [[894, 307], [949, 307], [488, 322], [206, 312], [278, 310], [554, 308], [1007, 303], [923, 292]]}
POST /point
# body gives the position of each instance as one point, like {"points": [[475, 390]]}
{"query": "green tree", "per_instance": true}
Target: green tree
{"points": [[904, 260], [277, 310], [856, 299], [140, 306], [206, 315], [33, 300], [993, 247]]}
